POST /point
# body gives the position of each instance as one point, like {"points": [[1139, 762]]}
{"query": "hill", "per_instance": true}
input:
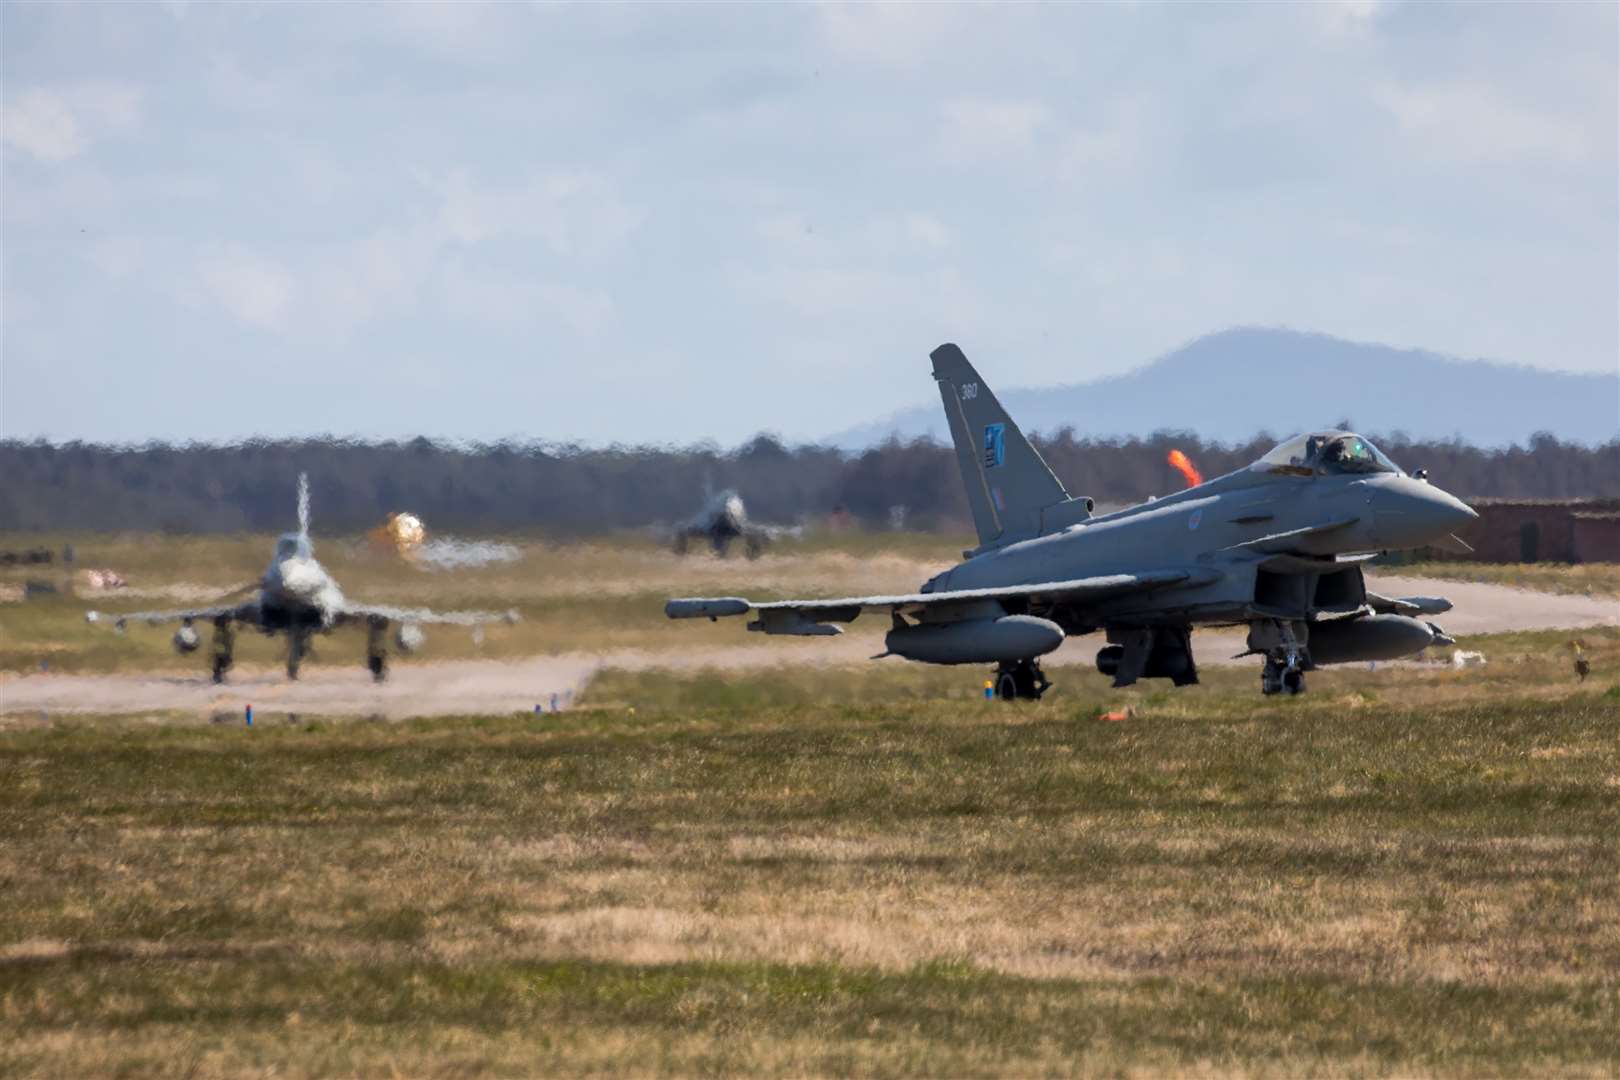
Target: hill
{"points": [[1228, 385]]}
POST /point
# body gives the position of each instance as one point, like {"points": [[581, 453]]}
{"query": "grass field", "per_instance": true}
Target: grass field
{"points": [[1580, 579], [800, 870], [1411, 872]]}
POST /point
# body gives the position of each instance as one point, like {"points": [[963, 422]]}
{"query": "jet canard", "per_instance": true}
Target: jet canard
{"points": [[1276, 546], [297, 597]]}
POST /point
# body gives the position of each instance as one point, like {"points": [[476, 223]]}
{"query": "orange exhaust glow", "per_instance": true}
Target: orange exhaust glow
{"points": [[1184, 465]]}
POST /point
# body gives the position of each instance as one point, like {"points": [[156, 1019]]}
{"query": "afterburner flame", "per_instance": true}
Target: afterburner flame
{"points": [[402, 532], [1183, 464]]}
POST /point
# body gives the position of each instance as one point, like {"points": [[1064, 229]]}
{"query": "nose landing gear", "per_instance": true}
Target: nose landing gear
{"points": [[297, 648], [1021, 680], [1282, 676], [377, 648]]}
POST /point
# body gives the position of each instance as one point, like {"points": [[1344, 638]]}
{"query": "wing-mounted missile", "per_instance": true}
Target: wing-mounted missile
{"points": [[798, 623], [1409, 605], [707, 607]]}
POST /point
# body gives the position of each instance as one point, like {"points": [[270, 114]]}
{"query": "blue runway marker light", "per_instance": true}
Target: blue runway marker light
{"points": [[250, 716]]}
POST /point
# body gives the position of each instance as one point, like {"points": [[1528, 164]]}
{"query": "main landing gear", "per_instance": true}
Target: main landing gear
{"points": [[1286, 657], [222, 646], [377, 648], [1020, 680]]}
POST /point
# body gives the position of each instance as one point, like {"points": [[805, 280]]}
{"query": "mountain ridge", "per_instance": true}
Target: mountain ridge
{"points": [[1283, 380]]}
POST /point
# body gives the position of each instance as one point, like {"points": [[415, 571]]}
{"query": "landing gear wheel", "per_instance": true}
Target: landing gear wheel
{"points": [[297, 646], [1007, 687], [378, 663], [1021, 680], [1280, 677]]}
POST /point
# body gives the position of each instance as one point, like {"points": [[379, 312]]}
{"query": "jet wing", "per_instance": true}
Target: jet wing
{"points": [[806, 616], [242, 612], [356, 612]]}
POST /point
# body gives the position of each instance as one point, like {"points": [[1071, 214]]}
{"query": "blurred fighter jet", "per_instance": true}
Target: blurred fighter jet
{"points": [[1277, 546], [297, 597], [723, 519]]}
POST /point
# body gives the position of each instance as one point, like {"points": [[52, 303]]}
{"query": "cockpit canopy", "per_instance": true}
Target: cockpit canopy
{"points": [[293, 546], [1326, 453]]}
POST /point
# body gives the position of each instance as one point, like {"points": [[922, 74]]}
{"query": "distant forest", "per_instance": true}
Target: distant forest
{"points": [[537, 488]]}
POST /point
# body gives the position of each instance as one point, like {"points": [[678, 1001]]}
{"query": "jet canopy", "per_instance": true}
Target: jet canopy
{"points": [[293, 546], [1326, 453]]}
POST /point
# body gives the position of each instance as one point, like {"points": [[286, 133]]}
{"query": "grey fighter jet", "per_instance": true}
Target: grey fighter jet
{"points": [[1277, 546], [297, 597], [722, 520]]}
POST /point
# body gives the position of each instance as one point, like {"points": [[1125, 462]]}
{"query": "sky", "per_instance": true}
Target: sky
{"points": [[641, 224]]}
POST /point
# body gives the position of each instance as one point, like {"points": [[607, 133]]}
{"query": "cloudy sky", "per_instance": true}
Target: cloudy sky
{"points": [[638, 223]]}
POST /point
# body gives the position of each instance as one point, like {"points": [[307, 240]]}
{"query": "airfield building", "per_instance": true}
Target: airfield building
{"points": [[1543, 530]]}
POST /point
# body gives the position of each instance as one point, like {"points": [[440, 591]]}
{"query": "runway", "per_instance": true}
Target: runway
{"points": [[481, 687]]}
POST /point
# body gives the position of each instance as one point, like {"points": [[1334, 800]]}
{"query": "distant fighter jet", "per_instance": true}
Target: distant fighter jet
{"points": [[298, 597], [1277, 546], [723, 519]]}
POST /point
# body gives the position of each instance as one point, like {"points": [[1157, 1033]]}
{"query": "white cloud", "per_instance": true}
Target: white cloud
{"points": [[253, 289], [891, 35], [984, 131], [41, 124], [517, 300], [576, 214], [795, 235], [346, 284], [353, 282], [1475, 123], [55, 125], [1344, 18], [928, 231], [117, 256]]}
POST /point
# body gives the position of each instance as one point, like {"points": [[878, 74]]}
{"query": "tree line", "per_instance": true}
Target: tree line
{"points": [[511, 487]]}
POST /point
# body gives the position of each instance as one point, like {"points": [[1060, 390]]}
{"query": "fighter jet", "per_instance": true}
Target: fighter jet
{"points": [[297, 597], [722, 520], [1277, 546]]}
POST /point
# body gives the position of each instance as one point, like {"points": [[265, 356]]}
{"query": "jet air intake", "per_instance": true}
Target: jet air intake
{"points": [[976, 641]]}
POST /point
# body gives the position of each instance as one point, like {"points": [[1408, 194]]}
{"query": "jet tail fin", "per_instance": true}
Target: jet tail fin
{"points": [[303, 505], [1009, 487]]}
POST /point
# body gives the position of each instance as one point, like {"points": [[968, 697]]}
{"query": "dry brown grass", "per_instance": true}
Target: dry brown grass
{"points": [[1349, 884]]}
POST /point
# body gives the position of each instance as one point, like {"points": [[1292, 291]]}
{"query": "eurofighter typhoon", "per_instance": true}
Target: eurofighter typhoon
{"points": [[297, 597], [1277, 546]]}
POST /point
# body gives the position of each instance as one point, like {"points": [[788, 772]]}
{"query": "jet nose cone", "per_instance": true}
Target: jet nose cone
{"points": [[1456, 512], [1410, 513]]}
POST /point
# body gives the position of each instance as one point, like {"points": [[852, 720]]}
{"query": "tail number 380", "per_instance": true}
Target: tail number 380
{"points": [[970, 391]]}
